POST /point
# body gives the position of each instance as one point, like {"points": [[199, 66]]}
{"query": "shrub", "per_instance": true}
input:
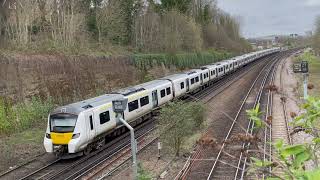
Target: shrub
{"points": [[178, 121], [23, 115], [180, 60]]}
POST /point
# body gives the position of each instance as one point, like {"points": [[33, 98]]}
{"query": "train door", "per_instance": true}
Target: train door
{"points": [[154, 98], [92, 126], [187, 85]]}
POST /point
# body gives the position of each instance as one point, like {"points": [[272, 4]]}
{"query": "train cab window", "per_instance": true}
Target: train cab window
{"points": [[204, 76], [144, 101], [62, 123], [168, 90], [192, 81], [133, 105], [197, 79], [91, 122], [104, 117], [207, 74], [162, 93], [213, 72], [182, 85]]}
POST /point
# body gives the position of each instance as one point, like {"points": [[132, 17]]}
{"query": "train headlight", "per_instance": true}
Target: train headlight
{"points": [[75, 136], [48, 136]]}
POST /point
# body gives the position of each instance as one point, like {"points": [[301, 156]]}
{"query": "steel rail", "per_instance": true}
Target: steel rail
{"points": [[183, 172], [88, 168], [204, 94], [200, 95], [284, 106], [189, 163], [252, 124], [234, 121], [275, 65]]}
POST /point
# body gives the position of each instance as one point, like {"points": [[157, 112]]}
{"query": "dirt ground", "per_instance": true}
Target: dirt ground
{"points": [[21, 147]]}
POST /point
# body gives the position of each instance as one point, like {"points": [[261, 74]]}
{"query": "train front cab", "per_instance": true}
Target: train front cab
{"points": [[63, 135]]}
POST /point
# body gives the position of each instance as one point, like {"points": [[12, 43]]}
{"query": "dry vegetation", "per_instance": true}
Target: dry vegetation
{"points": [[38, 37], [54, 52], [134, 25]]}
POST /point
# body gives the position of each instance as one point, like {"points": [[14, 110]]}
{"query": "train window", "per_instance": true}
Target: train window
{"points": [[162, 93], [168, 90], [204, 76], [182, 85], [91, 122], [133, 105], [213, 72], [144, 101], [192, 81], [207, 74], [197, 79], [104, 117]]}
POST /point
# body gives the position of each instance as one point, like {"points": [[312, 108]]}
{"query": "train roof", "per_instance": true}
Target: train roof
{"points": [[141, 87], [209, 66], [175, 76], [76, 108]]}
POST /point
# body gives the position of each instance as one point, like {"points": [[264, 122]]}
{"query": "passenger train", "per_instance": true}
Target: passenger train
{"points": [[78, 128]]}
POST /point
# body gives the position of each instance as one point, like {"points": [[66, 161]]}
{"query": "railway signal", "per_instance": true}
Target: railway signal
{"points": [[119, 106], [303, 67]]}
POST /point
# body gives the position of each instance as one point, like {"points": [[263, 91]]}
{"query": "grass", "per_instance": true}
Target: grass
{"points": [[24, 115], [314, 71], [19, 147]]}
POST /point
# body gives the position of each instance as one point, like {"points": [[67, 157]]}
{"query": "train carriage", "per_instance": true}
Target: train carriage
{"points": [[180, 84], [79, 127], [212, 69], [71, 128], [145, 97]]}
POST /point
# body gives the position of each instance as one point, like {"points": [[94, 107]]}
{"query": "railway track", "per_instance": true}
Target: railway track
{"points": [[108, 168], [58, 168], [220, 169], [118, 153], [284, 103]]}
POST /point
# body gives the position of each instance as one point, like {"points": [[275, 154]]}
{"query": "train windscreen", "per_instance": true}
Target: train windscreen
{"points": [[62, 123]]}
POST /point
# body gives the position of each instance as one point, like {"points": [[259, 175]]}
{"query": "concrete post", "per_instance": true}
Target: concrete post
{"points": [[133, 147]]}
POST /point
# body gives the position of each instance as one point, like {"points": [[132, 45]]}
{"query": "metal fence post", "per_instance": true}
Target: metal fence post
{"points": [[305, 86]]}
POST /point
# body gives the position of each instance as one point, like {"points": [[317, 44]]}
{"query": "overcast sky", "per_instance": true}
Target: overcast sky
{"points": [[273, 17]]}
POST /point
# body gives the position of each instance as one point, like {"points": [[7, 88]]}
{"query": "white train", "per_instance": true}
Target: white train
{"points": [[77, 128]]}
